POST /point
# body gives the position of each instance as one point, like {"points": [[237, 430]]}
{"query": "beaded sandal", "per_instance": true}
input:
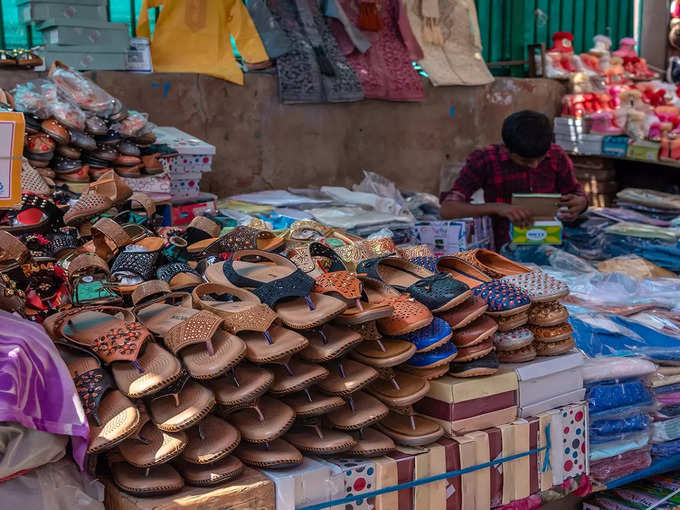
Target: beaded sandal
{"points": [[136, 264], [179, 276], [240, 238]]}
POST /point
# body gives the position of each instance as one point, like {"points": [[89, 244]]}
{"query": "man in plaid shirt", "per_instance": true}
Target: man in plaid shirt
{"points": [[526, 162]]}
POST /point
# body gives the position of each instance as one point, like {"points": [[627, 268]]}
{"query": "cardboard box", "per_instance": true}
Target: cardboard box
{"points": [[85, 58], [547, 229], [41, 10], [465, 405], [644, 150], [616, 146], [509, 481], [251, 491], [84, 32], [183, 214], [11, 149], [447, 237], [195, 154], [547, 381], [306, 484]]}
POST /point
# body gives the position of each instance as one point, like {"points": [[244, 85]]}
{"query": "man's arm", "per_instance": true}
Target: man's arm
{"points": [[573, 196], [453, 209]]}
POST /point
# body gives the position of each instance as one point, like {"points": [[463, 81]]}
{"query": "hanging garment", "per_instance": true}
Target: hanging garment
{"points": [[448, 32], [193, 36], [386, 69], [273, 37], [314, 70]]}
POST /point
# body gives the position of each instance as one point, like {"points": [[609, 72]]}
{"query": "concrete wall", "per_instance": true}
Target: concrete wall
{"points": [[262, 144]]}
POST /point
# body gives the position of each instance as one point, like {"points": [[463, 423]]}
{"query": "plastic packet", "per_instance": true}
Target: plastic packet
{"points": [[620, 465], [80, 90], [32, 97], [605, 396], [616, 368], [133, 124], [383, 187], [667, 449], [381, 234], [626, 443], [665, 430], [615, 429], [619, 413]]}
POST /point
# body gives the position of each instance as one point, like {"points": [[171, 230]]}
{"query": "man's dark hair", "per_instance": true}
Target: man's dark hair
{"points": [[527, 134]]}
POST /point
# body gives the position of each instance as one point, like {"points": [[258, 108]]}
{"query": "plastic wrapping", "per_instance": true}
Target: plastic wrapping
{"points": [[666, 430], [614, 368], [610, 395], [32, 97], [666, 412], [667, 234], [381, 186], [133, 124], [620, 465], [615, 429], [81, 91], [635, 266], [667, 449], [628, 442]]}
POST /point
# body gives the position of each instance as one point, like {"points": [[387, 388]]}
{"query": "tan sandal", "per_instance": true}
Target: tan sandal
{"points": [[329, 342], [292, 375], [274, 455], [211, 440], [310, 402], [190, 404], [241, 386], [398, 389], [155, 481], [215, 473], [371, 443], [315, 440], [362, 410], [265, 421], [410, 429], [152, 447], [346, 377]]}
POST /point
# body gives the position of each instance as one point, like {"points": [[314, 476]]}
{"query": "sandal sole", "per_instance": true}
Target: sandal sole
{"points": [[505, 313], [363, 318], [215, 481], [475, 372], [438, 343], [289, 352], [337, 354], [557, 338], [372, 453], [319, 411], [389, 363], [162, 460], [220, 455], [285, 429], [410, 440], [454, 302], [441, 362], [470, 318], [299, 387], [117, 441], [326, 451], [271, 465], [517, 359], [256, 393], [223, 371], [154, 389], [161, 491], [185, 425], [367, 423], [475, 356], [349, 392], [313, 324]]}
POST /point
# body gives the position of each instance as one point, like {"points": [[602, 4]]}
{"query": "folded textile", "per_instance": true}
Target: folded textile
{"points": [[667, 412], [625, 228], [667, 430], [611, 429], [621, 214], [36, 389], [22, 448], [604, 368], [599, 451], [650, 198], [603, 396], [667, 449], [620, 465]]}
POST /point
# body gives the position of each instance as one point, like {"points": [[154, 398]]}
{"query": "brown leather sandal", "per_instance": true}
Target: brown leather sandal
{"points": [[276, 343], [190, 404], [310, 402], [155, 481], [266, 420], [329, 342], [384, 353], [474, 333], [207, 475], [362, 410], [427, 373], [273, 455], [371, 443], [211, 440], [315, 440], [398, 389], [292, 375], [152, 446], [238, 388], [410, 429], [346, 377], [464, 314]]}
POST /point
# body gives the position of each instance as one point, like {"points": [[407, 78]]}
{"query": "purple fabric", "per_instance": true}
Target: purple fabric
{"points": [[36, 389]]}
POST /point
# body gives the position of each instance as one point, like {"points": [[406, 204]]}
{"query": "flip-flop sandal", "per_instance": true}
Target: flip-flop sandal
{"points": [[491, 263], [478, 331], [152, 447], [273, 283], [207, 475], [512, 321], [440, 356], [278, 343], [329, 342], [465, 313], [159, 369], [466, 354], [346, 377], [211, 440], [196, 336], [371, 443], [276, 454], [410, 430], [407, 314], [155, 481], [540, 286], [521, 355], [554, 348], [367, 330], [190, 404], [239, 238], [267, 420], [486, 365], [383, 353], [548, 314], [179, 276], [398, 389], [511, 340], [111, 415], [362, 410], [427, 373], [434, 335], [136, 264], [315, 440], [310, 402], [292, 375], [242, 385], [438, 291], [552, 334]]}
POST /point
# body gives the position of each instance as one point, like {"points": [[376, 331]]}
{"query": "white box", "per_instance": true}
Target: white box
{"points": [[452, 236], [195, 154], [306, 484]]}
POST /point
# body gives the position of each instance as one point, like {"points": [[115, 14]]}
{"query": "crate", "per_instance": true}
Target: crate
{"points": [[85, 32], [31, 11]]}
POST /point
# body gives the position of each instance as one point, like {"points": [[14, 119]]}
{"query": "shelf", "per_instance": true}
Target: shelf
{"points": [[657, 162], [657, 468]]}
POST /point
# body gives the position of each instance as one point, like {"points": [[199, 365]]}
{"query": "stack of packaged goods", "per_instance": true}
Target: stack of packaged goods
{"points": [[659, 491], [573, 135], [620, 404], [665, 385]]}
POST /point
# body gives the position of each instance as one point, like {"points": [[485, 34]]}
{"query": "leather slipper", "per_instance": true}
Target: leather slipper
{"points": [[512, 340], [427, 373], [410, 430], [521, 355], [265, 421], [474, 352], [548, 314], [371, 443], [552, 334], [239, 238], [155, 481], [318, 441], [274, 455], [492, 263], [329, 342], [440, 356], [434, 335], [152, 447], [312, 403], [384, 353], [540, 286], [111, 416], [210, 440], [362, 410], [477, 332], [554, 348], [241, 386], [486, 365], [188, 407], [346, 377], [280, 285], [398, 389], [292, 375], [156, 368], [207, 475], [196, 336], [278, 342], [512, 321]]}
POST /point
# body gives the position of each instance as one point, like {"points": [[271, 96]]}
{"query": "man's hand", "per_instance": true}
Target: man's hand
{"points": [[575, 205], [519, 216]]}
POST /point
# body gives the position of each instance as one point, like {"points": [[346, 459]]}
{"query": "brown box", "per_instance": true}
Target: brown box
{"points": [[251, 491]]}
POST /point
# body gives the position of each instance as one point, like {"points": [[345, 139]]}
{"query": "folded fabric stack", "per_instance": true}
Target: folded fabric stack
{"points": [[620, 404], [658, 491], [665, 386]]}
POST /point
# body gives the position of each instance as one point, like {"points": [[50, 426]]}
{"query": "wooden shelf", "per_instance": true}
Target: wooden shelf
{"points": [[657, 162]]}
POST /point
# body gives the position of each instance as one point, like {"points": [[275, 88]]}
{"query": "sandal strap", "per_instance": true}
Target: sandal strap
{"points": [[140, 263], [149, 289], [199, 328], [106, 228], [13, 249], [87, 261], [172, 389], [145, 201], [240, 238], [61, 242], [121, 343], [91, 387], [209, 227], [169, 271], [341, 282], [321, 250]]}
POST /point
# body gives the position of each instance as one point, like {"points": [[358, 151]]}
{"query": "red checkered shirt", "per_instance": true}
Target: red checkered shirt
{"points": [[492, 170]]}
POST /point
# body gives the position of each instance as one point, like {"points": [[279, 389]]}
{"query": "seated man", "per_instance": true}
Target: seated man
{"points": [[526, 162]]}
